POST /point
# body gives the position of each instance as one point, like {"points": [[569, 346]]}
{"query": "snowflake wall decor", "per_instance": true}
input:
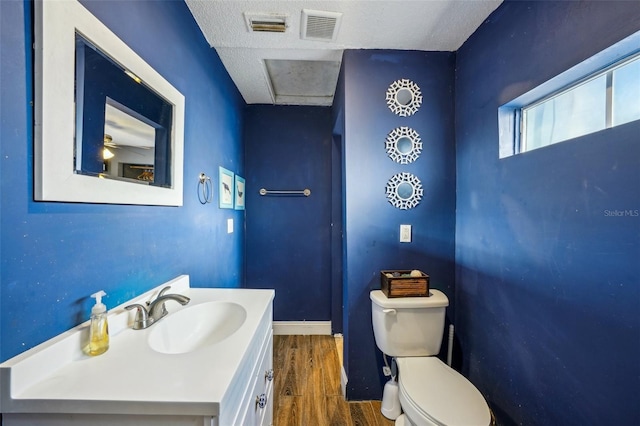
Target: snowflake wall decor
{"points": [[404, 105], [404, 191], [397, 145]]}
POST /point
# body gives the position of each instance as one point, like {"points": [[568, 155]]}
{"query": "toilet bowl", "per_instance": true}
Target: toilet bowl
{"points": [[431, 393]]}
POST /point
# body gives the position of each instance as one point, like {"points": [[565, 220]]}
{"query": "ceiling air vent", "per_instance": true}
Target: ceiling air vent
{"points": [[266, 22], [319, 25]]}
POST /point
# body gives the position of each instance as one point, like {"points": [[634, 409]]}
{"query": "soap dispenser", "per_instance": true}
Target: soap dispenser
{"points": [[99, 329]]}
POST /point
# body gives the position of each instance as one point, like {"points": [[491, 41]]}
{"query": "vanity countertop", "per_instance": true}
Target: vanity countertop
{"points": [[132, 378]]}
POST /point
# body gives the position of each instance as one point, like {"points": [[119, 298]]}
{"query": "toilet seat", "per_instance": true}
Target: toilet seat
{"points": [[431, 392]]}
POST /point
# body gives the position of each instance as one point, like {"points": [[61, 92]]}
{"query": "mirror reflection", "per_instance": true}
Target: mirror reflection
{"points": [[404, 145], [123, 128], [404, 96], [129, 145], [405, 190]]}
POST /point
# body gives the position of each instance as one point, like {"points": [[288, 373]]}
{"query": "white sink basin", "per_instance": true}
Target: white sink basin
{"points": [[196, 327]]}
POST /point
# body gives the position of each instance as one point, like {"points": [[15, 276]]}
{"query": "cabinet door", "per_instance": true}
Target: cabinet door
{"points": [[260, 408], [266, 413]]}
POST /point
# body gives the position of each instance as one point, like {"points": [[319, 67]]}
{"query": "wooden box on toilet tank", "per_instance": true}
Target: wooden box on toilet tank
{"points": [[399, 283]]}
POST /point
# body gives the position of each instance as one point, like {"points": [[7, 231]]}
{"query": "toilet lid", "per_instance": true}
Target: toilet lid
{"points": [[440, 393]]}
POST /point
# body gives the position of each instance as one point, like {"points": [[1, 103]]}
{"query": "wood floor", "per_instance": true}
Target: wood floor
{"points": [[307, 386]]}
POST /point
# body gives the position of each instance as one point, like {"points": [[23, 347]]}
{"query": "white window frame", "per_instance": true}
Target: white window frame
{"points": [[510, 115], [607, 72]]}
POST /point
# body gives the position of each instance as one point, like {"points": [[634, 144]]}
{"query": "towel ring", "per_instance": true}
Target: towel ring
{"points": [[205, 189]]}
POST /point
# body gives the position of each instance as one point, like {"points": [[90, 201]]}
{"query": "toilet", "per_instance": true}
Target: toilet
{"points": [[431, 393]]}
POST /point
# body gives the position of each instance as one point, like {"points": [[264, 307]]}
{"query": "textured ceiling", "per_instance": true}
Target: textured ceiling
{"points": [[427, 25]]}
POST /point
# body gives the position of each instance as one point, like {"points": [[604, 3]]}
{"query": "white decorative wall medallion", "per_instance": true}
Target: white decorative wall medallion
{"points": [[403, 145], [404, 97], [404, 191]]}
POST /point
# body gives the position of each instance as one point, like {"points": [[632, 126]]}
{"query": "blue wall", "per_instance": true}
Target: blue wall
{"points": [[547, 285], [288, 237], [371, 223], [55, 254]]}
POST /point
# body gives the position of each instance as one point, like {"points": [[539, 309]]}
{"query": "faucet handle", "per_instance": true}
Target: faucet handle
{"points": [[142, 319]]}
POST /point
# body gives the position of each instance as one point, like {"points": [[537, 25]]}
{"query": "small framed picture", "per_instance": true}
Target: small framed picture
{"points": [[239, 190], [226, 189]]}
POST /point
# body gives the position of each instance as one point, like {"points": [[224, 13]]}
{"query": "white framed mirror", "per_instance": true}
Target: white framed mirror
{"points": [[404, 191], [76, 163], [403, 145], [404, 97]]}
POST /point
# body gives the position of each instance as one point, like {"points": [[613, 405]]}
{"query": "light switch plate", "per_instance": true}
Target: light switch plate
{"points": [[229, 226], [405, 233]]}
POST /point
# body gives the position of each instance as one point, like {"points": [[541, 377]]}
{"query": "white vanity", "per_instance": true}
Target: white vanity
{"points": [[207, 363]]}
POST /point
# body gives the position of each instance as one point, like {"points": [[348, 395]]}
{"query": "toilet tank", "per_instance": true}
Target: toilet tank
{"points": [[408, 326]]}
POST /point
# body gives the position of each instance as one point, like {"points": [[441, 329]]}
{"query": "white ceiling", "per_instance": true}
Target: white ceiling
{"points": [[127, 130], [426, 25]]}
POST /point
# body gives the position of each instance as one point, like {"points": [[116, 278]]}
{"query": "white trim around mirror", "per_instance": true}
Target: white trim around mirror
{"points": [[56, 23]]}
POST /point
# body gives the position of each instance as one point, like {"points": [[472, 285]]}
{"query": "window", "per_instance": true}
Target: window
{"points": [[626, 93], [599, 93], [606, 99]]}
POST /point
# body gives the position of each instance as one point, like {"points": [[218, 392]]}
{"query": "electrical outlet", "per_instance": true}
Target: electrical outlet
{"points": [[405, 233], [229, 226]]}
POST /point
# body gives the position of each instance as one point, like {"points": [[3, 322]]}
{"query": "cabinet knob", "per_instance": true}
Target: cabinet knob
{"points": [[269, 374], [261, 400]]}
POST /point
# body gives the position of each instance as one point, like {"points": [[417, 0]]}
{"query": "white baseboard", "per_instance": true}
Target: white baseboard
{"points": [[343, 382], [283, 328]]}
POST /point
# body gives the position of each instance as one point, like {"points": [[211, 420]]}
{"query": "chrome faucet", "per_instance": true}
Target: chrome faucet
{"points": [[147, 315], [157, 309]]}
